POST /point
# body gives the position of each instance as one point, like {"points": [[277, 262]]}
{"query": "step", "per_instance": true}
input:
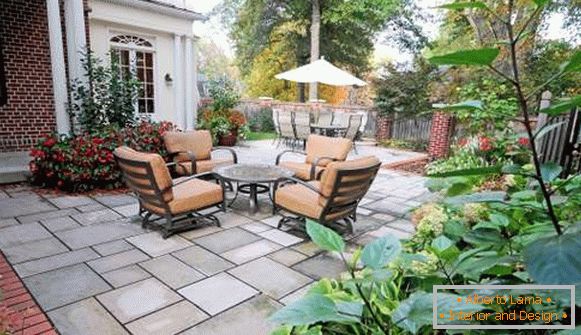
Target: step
{"points": [[14, 167]]}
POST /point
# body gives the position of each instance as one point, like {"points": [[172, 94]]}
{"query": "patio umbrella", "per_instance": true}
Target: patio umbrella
{"points": [[321, 71]]}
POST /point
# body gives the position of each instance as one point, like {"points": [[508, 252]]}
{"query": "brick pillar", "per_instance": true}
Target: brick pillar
{"points": [[383, 128], [439, 146]]}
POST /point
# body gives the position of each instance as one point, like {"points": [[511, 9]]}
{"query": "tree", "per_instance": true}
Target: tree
{"points": [[347, 30], [315, 42], [213, 61]]}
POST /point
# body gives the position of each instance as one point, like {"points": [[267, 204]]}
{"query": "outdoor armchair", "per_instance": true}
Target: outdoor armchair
{"points": [[330, 200], [320, 151], [177, 201], [192, 152]]}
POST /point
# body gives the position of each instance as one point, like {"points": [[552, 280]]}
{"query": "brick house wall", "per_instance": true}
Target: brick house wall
{"points": [[29, 111]]}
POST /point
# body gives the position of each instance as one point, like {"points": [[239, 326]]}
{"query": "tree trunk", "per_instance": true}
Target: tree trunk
{"points": [[315, 40]]}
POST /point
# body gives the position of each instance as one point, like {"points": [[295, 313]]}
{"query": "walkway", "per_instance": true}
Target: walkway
{"points": [[94, 270]]}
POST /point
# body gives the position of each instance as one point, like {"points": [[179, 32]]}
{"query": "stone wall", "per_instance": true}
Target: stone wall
{"points": [[29, 111]]}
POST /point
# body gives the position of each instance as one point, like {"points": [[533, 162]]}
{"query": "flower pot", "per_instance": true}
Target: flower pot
{"points": [[228, 140]]}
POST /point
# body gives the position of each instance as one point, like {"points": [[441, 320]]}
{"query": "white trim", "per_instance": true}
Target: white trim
{"points": [[57, 61], [189, 85], [76, 38], [160, 8], [179, 81]]}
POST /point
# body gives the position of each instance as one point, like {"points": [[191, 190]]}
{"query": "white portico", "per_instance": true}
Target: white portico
{"points": [[155, 40]]}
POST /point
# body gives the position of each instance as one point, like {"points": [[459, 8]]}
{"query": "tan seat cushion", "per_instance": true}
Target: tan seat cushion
{"points": [[301, 170], [195, 194], [161, 174], [199, 142], [300, 200], [185, 168], [322, 146]]}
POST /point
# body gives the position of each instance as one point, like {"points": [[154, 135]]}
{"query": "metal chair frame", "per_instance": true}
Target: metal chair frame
{"points": [[332, 206], [313, 171], [193, 159], [174, 222]]}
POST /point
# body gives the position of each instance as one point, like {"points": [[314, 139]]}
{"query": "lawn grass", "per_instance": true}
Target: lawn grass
{"points": [[255, 136]]}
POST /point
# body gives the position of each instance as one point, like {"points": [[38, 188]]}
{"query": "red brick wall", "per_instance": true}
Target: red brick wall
{"points": [[383, 128], [29, 112], [440, 136]]}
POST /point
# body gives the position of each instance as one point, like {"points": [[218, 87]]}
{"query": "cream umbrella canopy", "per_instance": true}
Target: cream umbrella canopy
{"points": [[321, 71]]}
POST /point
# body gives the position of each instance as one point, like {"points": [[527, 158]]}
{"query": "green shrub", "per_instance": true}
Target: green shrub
{"points": [[84, 162], [262, 121]]}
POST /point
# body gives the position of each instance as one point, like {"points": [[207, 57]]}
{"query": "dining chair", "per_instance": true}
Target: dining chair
{"points": [[352, 130], [325, 118], [287, 132], [302, 123]]}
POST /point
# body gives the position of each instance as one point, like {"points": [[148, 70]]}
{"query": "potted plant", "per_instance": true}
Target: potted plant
{"points": [[220, 118]]}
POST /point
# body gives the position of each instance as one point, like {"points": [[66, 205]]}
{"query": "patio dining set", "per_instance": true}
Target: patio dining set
{"points": [[188, 191], [294, 128]]}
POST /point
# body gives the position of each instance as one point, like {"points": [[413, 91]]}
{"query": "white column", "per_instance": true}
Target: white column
{"points": [[189, 85], [195, 83], [179, 81], [76, 39], [57, 60]]}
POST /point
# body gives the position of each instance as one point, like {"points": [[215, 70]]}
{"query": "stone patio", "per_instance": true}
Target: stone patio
{"points": [[94, 270]]}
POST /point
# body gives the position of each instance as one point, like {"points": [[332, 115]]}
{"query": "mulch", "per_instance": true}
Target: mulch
{"points": [[18, 307], [416, 165]]}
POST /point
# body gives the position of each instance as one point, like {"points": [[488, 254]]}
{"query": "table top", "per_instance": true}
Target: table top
{"points": [[327, 126], [253, 173]]}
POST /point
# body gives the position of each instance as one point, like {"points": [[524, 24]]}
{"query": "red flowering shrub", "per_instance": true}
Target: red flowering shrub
{"points": [[86, 161]]}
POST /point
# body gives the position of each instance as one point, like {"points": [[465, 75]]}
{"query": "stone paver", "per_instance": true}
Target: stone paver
{"points": [[124, 276], [231, 219], [171, 271], [8, 222], [170, 320], [23, 206], [46, 215], [116, 200], [199, 232], [203, 260], [296, 295], [155, 245], [321, 266], [251, 251], [20, 234], [128, 210], [226, 240], [287, 257], [270, 277], [35, 249], [86, 317], [63, 286], [280, 237], [97, 234], [71, 201], [60, 224], [113, 247], [256, 227], [217, 293], [251, 317], [136, 300], [54, 262], [116, 261], [99, 216]]}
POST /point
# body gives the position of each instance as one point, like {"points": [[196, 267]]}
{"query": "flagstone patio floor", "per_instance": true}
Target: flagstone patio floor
{"points": [[94, 270]]}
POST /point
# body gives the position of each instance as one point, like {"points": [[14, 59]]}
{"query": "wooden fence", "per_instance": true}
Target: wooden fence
{"points": [[562, 143], [414, 130]]}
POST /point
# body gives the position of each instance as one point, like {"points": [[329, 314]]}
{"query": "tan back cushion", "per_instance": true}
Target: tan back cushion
{"points": [[136, 176], [198, 142], [365, 171], [323, 146]]}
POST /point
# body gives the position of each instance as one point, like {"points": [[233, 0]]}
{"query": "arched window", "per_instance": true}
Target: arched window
{"points": [[135, 55]]}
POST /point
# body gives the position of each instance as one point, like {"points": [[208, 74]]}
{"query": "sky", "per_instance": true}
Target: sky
{"points": [[212, 30]]}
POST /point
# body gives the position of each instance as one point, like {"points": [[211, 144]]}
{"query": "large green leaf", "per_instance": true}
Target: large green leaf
{"points": [[380, 252], [465, 105], [562, 107], [550, 171], [546, 129], [481, 57], [573, 65], [494, 196], [464, 5], [324, 237], [484, 237], [541, 2], [311, 309], [481, 171], [555, 259], [417, 310]]}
